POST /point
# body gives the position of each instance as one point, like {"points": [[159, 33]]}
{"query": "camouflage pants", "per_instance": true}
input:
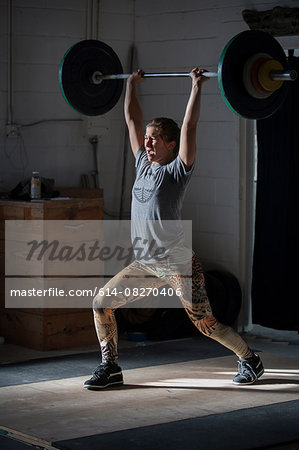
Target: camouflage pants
{"points": [[137, 278]]}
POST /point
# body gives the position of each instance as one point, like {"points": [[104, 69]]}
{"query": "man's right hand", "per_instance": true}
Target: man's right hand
{"points": [[136, 77]]}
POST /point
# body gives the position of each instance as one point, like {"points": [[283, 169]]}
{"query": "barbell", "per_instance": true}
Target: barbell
{"points": [[252, 76]]}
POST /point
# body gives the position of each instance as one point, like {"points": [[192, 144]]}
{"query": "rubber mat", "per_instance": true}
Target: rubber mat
{"points": [[130, 358], [244, 429]]}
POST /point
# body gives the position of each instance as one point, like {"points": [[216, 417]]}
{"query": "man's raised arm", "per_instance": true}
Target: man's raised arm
{"points": [[133, 113], [188, 131]]}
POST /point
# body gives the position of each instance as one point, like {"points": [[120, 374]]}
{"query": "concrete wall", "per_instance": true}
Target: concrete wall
{"points": [[51, 136], [175, 36], [168, 36]]}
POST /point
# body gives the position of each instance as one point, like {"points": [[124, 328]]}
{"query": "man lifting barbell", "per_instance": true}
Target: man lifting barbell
{"points": [[252, 71], [164, 164]]}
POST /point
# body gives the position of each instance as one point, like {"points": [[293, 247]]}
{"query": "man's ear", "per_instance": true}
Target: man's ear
{"points": [[172, 145]]}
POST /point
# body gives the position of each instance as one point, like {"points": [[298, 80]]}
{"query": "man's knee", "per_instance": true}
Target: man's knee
{"points": [[207, 325], [97, 304]]}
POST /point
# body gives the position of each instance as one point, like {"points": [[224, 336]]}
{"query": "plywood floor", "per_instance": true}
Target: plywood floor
{"points": [[61, 409]]}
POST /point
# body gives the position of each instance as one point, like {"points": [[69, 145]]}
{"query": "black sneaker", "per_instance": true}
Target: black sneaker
{"points": [[105, 375], [249, 370]]}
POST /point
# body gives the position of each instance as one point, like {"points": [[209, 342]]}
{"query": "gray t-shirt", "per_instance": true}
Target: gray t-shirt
{"points": [[157, 198]]}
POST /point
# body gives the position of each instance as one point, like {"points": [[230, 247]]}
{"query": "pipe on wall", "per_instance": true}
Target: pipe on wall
{"points": [[92, 19], [10, 62]]}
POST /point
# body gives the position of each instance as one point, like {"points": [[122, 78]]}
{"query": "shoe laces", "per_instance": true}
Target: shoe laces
{"points": [[245, 368], [101, 369]]}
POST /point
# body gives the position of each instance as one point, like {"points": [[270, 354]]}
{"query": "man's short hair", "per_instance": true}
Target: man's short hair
{"points": [[168, 129]]}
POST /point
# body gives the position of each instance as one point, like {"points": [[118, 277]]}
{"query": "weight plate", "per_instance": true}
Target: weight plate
{"points": [[250, 74], [217, 296], [77, 67], [254, 78], [233, 300], [230, 74]]}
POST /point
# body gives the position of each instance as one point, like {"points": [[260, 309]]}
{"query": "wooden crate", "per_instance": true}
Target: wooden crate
{"points": [[48, 329]]}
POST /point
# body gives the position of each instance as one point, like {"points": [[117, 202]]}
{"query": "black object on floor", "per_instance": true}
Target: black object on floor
{"points": [[245, 429], [7, 443]]}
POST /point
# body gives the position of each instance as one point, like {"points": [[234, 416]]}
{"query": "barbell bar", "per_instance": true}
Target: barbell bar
{"points": [[280, 75], [91, 76], [98, 78]]}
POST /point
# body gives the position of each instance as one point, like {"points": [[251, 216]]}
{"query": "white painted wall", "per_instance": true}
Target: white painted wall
{"points": [[172, 36], [58, 147], [175, 36]]}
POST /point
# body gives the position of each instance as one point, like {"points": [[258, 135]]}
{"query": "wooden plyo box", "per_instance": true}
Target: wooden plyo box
{"points": [[48, 328]]}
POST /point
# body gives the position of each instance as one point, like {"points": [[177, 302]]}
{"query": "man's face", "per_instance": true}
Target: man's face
{"points": [[158, 150]]}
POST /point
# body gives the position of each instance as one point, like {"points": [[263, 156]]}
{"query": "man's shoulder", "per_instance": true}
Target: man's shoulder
{"points": [[177, 168], [141, 157]]}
